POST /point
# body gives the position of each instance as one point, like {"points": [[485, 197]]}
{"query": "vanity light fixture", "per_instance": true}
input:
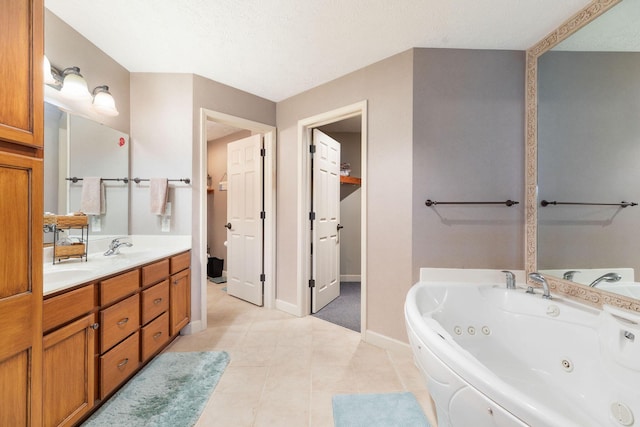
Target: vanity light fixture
{"points": [[49, 79], [103, 101], [74, 86]]}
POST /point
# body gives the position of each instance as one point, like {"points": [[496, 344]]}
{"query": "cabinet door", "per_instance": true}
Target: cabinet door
{"points": [[69, 372], [180, 296], [20, 289], [21, 84]]}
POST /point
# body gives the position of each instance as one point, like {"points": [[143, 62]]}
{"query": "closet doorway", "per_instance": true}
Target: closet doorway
{"points": [[347, 126], [336, 231], [238, 158]]}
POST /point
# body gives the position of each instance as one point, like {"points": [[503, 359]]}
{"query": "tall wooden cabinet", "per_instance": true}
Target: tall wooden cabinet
{"points": [[21, 211]]}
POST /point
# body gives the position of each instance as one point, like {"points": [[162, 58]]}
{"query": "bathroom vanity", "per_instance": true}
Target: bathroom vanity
{"points": [[104, 319]]}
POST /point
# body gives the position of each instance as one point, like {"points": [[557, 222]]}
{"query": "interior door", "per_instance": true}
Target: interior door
{"points": [[244, 222], [326, 225]]}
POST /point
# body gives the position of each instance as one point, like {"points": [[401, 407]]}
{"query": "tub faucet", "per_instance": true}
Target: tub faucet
{"points": [[511, 279], [537, 277], [114, 247], [568, 275], [609, 277]]}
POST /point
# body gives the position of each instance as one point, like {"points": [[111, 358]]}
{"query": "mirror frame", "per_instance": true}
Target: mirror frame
{"points": [[594, 297]]}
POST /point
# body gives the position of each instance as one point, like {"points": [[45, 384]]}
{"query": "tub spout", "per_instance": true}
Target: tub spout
{"points": [[609, 277], [511, 279], [539, 278]]}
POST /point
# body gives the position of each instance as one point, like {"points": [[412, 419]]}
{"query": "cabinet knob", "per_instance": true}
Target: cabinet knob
{"points": [[124, 362], [157, 301], [123, 321], [157, 335], [95, 326]]}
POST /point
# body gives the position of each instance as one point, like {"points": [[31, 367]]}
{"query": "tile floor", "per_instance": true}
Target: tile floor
{"points": [[284, 370]]}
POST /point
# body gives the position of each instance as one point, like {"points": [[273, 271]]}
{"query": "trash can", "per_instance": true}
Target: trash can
{"points": [[214, 267]]}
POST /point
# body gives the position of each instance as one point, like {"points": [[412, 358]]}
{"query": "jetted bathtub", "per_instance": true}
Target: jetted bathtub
{"points": [[493, 356]]}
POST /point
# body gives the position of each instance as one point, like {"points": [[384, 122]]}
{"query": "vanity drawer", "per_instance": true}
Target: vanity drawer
{"points": [[180, 262], [119, 363], [154, 336], [155, 301], [119, 321], [153, 273], [119, 286], [63, 308]]}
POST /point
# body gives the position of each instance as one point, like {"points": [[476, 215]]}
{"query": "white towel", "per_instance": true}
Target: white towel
{"points": [[158, 188], [92, 201]]}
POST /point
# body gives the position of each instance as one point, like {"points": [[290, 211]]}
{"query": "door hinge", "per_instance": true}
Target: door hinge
{"points": [[262, 277], [263, 215], [312, 283], [263, 152], [312, 149], [312, 216]]}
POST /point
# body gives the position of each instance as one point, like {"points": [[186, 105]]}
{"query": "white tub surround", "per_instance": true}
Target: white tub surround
{"points": [[494, 356], [145, 249]]}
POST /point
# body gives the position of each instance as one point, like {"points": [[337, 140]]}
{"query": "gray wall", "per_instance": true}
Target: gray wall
{"points": [[387, 86], [589, 146], [468, 145]]}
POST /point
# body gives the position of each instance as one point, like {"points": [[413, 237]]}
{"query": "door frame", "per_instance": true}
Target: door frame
{"points": [[303, 268], [269, 133]]}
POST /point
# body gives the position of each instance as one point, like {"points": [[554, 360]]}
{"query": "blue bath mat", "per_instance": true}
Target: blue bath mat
{"points": [[171, 391], [378, 410]]}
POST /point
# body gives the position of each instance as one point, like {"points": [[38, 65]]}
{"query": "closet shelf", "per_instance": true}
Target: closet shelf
{"points": [[350, 180]]}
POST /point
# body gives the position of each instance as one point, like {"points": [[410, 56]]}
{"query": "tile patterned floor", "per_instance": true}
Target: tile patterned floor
{"points": [[284, 370]]}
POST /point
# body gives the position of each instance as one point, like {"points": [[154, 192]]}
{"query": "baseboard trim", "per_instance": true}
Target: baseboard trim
{"points": [[350, 278], [384, 341], [287, 307], [192, 328]]}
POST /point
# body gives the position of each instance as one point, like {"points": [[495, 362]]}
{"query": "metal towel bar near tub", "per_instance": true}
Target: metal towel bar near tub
{"points": [[430, 202], [622, 204]]}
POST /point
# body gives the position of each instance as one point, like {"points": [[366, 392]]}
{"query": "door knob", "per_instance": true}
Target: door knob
{"points": [[228, 225], [340, 227]]}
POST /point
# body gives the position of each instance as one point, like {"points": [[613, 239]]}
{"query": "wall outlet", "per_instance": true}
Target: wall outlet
{"points": [[96, 223], [166, 224]]}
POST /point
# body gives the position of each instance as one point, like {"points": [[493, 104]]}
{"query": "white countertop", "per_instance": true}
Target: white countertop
{"points": [[76, 271]]}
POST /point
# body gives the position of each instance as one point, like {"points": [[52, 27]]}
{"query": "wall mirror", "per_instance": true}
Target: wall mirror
{"points": [[79, 147], [583, 139]]}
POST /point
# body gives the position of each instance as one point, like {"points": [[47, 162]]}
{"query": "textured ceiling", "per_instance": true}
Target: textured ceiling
{"points": [[278, 48]]}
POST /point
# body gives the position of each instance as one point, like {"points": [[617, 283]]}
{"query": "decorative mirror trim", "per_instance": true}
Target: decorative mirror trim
{"points": [[591, 296]]}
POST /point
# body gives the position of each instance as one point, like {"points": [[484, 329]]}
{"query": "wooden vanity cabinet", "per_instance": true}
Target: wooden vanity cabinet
{"points": [[180, 292], [155, 308], [134, 311], [119, 315], [69, 372], [21, 211], [69, 356]]}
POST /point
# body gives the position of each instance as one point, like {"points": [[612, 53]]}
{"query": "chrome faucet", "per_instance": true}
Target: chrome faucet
{"points": [[537, 277], [511, 279], [609, 277], [568, 275], [114, 247]]}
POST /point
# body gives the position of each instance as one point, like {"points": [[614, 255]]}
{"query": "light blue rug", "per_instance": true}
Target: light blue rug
{"points": [[170, 391], [378, 410]]}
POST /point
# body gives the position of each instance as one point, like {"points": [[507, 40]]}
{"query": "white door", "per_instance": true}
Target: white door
{"points": [[244, 225], [326, 228]]}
